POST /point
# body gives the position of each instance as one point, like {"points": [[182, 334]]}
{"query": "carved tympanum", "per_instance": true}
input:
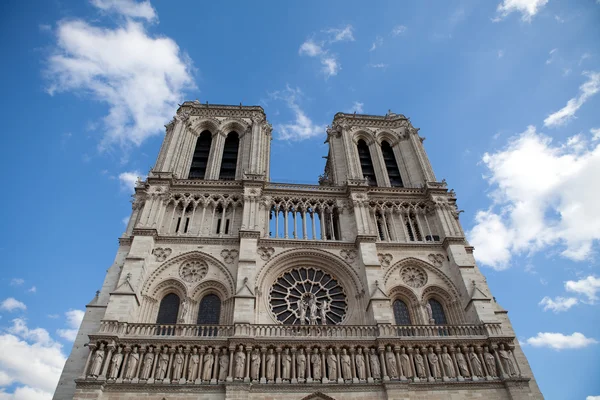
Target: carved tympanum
{"points": [[193, 270], [413, 276]]}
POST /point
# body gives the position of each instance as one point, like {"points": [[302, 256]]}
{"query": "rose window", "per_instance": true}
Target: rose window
{"points": [[308, 296], [414, 276], [193, 271]]}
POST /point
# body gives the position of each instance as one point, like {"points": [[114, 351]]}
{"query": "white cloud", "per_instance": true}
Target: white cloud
{"points": [[32, 289], [11, 304], [541, 197], [17, 282], [593, 397], [559, 19], [30, 360], [357, 107], [302, 127], [114, 67], [379, 65], [500, 53], [551, 56], [586, 91], [129, 178], [588, 287], [558, 304], [74, 318], [527, 8], [377, 43], [558, 341], [331, 66], [584, 57], [340, 35], [595, 133], [125, 220], [398, 30], [127, 8], [310, 48]]}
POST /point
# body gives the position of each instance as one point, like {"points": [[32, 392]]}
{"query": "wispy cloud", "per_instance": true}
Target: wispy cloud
{"points": [[128, 180], [589, 287], [74, 318], [127, 8], [377, 43], [11, 304], [586, 91], [559, 304], [302, 127], [340, 35], [559, 341], [551, 56], [357, 107], [32, 289], [399, 30], [310, 48], [17, 282], [330, 64], [379, 65], [527, 8]]}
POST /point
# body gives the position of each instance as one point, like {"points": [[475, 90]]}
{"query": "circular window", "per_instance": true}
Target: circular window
{"points": [[193, 271], [413, 276], [308, 296]]}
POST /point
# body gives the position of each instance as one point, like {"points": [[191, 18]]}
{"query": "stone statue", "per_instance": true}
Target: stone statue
{"points": [[255, 364], [96, 367], [346, 369], [240, 362], [184, 310], [462, 364], [209, 360], [490, 363], [475, 364], [115, 364], [509, 367], [301, 364], [429, 313], [405, 363], [178, 364], [223, 366], [434, 364], [163, 363], [132, 364], [419, 363], [448, 365], [286, 362], [315, 359], [270, 365], [194, 365], [390, 362], [324, 309], [331, 365], [147, 366], [312, 304], [375, 368], [360, 365], [301, 311]]}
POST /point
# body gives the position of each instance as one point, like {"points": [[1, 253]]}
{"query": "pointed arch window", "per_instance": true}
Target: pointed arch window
{"points": [[230, 155], [366, 164], [391, 165], [438, 312], [209, 311], [200, 158], [401, 313], [168, 309]]}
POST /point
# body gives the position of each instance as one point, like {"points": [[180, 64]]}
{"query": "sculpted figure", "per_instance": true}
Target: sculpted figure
{"points": [[312, 304], [419, 363], [462, 364], [346, 369], [434, 364], [178, 364], [286, 363], [429, 313], [209, 360], [475, 364], [324, 309], [315, 359], [301, 364], [96, 367], [194, 365], [490, 363], [375, 368], [240, 362], [184, 310], [360, 365], [163, 363], [255, 364], [390, 362], [270, 365], [448, 365], [509, 367], [331, 365], [223, 366], [405, 363], [115, 364], [301, 311], [147, 366], [132, 364]]}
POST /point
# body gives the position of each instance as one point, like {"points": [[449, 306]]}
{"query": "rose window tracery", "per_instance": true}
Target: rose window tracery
{"points": [[414, 276], [193, 270], [308, 296]]}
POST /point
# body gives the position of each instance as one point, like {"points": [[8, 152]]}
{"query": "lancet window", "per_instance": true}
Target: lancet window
{"points": [[402, 222], [306, 219], [200, 158], [168, 309], [209, 311], [391, 165], [401, 313], [437, 312], [230, 155], [366, 164]]}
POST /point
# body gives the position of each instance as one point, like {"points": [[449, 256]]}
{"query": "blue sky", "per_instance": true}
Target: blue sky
{"points": [[505, 91]]}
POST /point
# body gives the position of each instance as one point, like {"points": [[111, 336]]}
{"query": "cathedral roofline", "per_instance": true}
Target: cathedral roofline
{"points": [[207, 105], [390, 116]]}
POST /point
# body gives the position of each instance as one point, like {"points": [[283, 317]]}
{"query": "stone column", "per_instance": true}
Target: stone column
{"points": [[107, 359], [368, 364], [215, 375], [200, 365], [383, 367], [501, 371], [410, 352], [308, 356], [230, 373], [186, 353], [465, 351], [511, 349], [452, 352], [293, 377], [486, 373], [92, 347], [430, 377], [340, 378], [278, 365], [353, 365], [263, 352], [168, 375], [248, 362], [323, 366], [127, 350], [401, 373]]}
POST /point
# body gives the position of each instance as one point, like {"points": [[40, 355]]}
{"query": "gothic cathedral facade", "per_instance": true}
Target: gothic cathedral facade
{"points": [[229, 286]]}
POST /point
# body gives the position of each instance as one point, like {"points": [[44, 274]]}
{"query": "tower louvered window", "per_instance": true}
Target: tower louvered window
{"points": [[200, 158], [168, 310], [366, 164], [391, 165], [230, 154]]}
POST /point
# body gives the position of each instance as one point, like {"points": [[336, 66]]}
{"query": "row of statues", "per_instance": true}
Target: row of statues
{"points": [[310, 311], [275, 365]]}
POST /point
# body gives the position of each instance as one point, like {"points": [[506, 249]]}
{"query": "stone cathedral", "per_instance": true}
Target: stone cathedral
{"points": [[229, 286]]}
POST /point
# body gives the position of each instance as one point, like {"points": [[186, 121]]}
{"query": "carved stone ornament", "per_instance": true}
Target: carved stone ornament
{"points": [[229, 255], [385, 259], [413, 276], [193, 270], [436, 259], [161, 254], [265, 252], [348, 255]]}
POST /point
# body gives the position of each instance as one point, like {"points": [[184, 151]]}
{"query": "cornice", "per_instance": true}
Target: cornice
{"points": [[231, 241], [450, 240], [301, 243], [433, 246]]}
